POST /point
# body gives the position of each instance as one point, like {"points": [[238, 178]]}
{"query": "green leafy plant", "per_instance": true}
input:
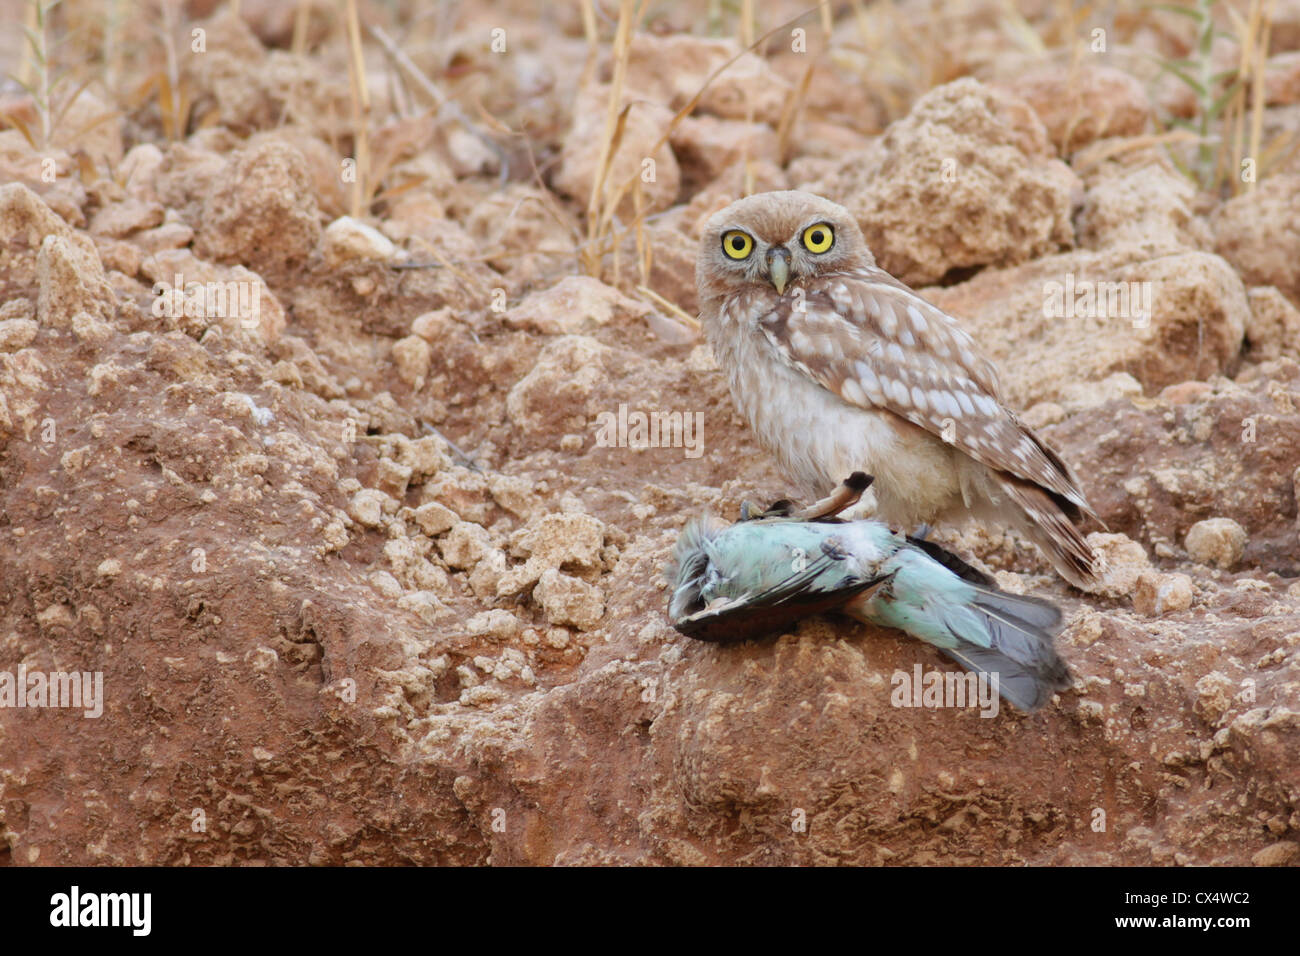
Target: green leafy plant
{"points": [[47, 85], [1212, 90], [1226, 125], [38, 77]]}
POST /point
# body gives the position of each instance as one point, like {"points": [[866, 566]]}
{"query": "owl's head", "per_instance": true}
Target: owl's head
{"points": [[776, 239]]}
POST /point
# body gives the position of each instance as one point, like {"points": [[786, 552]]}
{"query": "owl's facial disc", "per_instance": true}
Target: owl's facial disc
{"points": [[778, 267]]}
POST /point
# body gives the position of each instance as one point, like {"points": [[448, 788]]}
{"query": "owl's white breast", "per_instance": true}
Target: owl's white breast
{"points": [[818, 439]]}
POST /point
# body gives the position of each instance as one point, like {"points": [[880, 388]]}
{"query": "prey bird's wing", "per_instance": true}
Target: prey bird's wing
{"points": [[778, 607], [953, 563], [876, 344]]}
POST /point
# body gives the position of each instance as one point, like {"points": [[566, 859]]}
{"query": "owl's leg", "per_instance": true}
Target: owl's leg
{"points": [[845, 496]]}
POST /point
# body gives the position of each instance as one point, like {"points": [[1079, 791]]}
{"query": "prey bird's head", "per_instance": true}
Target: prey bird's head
{"points": [[774, 240]]}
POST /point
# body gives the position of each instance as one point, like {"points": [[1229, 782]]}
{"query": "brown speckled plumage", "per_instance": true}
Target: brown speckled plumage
{"points": [[846, 369]]}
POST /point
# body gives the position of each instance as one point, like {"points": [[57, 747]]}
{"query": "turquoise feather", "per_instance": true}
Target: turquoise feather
{"points": [[732, 582]]}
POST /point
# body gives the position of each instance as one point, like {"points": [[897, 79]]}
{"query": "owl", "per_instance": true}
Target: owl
{"points": [[838, 367]]}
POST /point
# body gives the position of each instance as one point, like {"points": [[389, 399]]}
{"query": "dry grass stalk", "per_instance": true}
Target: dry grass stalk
{"points": [[602, 207], [360, 99]]}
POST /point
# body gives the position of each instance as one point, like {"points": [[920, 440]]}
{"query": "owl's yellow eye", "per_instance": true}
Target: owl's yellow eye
{"points": [[737, 244], [818, 238]]}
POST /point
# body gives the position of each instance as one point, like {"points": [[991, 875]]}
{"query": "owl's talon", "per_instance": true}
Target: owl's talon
{"points": [[777, 509], [859, 481]]}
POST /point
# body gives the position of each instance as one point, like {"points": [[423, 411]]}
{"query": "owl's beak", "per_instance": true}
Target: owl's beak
{"points": [[778, 268]]}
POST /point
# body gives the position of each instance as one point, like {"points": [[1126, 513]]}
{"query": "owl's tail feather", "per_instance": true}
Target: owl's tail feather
{"points": [[1051, 530]]}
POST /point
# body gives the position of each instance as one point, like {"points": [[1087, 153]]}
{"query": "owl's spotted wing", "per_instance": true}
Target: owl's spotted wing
{"points": [[876, 344]]}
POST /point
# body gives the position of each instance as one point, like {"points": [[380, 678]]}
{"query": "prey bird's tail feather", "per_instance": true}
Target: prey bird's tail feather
{"points": [[1012, 636], [981, 627]]}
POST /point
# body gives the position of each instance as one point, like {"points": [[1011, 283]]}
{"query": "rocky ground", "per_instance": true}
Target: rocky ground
{"points": [[366, 586]]}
